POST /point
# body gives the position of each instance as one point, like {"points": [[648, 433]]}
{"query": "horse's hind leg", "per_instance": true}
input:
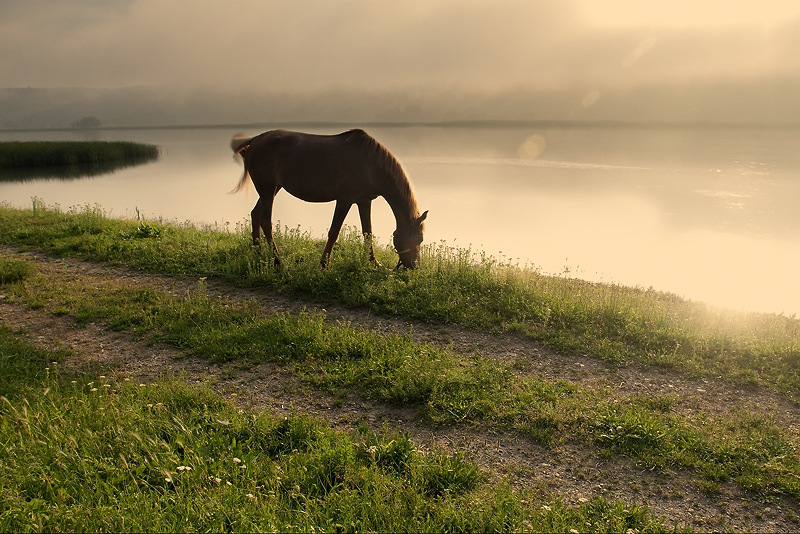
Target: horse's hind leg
{"points": [[261, 219], [365, 211], [255, 221]]}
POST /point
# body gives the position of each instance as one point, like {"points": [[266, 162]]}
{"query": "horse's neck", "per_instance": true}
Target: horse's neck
{"points": [[401, 199]]}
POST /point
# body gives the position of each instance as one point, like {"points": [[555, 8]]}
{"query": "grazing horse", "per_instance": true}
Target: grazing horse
{"points": [[350, 168]]}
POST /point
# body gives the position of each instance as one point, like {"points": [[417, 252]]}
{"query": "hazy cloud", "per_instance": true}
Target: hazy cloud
{"points": [[289, 45], [418, 48]]}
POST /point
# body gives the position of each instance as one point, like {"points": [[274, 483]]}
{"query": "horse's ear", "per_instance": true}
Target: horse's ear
{"points": [[422, 217]]}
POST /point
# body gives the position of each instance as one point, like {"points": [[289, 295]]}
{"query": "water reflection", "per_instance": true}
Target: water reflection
{"points": [[707, 213], [68, 172]]}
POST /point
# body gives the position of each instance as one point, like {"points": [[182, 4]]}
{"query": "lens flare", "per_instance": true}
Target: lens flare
{"points": [[532, 148]]}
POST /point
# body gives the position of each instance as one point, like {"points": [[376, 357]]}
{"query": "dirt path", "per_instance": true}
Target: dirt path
{"points": [[572, 470]]}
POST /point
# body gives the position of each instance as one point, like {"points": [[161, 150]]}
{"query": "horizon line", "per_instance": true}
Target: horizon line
{"points": [[467, 123]]}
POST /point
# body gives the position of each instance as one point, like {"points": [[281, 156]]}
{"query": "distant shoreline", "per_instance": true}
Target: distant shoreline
{"points": [[488, 124]]}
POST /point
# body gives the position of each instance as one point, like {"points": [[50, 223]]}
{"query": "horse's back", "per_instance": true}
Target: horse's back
{"points": [[286, 144], [313, 167]]}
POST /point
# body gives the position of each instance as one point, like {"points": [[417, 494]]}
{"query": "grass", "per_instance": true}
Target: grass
{"points": [[614, 323], [446, 388], [20, 160], [93, 453]]}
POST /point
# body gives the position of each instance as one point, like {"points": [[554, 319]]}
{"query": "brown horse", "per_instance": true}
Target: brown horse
{"points": [[350, 168]]}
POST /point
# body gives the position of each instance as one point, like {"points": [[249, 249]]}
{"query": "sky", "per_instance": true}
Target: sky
{"points": [[490, 46]]}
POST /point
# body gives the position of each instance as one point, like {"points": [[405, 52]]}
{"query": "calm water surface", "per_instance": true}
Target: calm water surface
{"points": [[708, 213]]}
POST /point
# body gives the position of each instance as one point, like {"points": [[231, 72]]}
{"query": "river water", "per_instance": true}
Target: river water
{"points": [[709, 213]]}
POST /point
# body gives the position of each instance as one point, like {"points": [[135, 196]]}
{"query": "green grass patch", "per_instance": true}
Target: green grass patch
{"points": [[20, 160], [611, 322], [93, 453], [445, 387], [13, 270]]}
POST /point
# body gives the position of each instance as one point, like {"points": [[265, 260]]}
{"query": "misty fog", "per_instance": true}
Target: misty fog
{"points": [[145, 62]]}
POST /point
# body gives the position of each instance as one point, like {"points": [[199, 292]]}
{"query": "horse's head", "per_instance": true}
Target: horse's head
{"points": [[407, 240]]}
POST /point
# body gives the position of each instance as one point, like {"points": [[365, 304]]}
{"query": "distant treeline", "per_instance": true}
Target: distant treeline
{"points": [[69, 159]]}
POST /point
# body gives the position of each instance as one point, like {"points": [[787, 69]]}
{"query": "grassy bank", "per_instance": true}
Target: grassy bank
{"points": [[614, 323], [20, 160], [744, 446], [91, 453]]}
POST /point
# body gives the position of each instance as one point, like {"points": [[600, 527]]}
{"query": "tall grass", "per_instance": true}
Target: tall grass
{"points": [[94, 453], [21, 160], [618, 324]]}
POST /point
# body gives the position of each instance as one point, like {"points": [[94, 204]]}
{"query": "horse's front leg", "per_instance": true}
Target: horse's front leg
{"points": [[339, 214], [365, 211]]}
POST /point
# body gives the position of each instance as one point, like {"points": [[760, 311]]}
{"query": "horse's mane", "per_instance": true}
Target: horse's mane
{"points": [[386, 160]]}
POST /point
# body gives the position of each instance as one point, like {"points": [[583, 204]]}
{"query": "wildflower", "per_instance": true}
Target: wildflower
{"points": [[184, 468], [237, 461], [142, 385], [94, 389], [106, 385], [250, 495], [372, 450], [167, 479], [102, 377], [228, 482]]}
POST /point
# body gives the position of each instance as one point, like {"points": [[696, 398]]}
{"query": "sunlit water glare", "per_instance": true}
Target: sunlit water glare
{"points": [[707, 213]]}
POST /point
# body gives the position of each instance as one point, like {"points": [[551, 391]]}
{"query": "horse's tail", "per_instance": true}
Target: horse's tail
{"points": [[239, 145]]}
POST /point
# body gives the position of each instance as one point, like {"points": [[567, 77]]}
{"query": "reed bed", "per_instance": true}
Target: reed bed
{"points": [[28, 159]]}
